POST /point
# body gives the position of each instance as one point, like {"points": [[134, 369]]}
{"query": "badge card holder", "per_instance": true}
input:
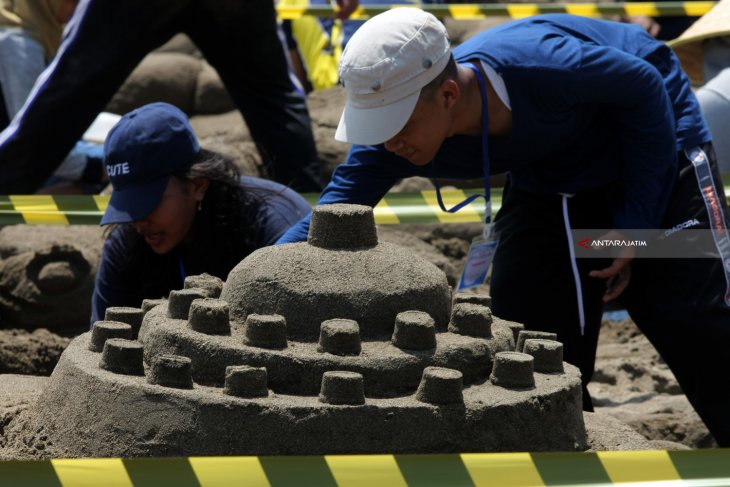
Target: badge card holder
{"points": [[479, 258]]}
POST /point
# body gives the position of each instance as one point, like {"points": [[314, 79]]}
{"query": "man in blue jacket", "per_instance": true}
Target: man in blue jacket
{"points": [[598, 128]]}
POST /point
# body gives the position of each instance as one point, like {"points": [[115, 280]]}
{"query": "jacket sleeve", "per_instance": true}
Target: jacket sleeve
{"points": [[363, 179], [278, 213], [112, 287], [632, 92]]}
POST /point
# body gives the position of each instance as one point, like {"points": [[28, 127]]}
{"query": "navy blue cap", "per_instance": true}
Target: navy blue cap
{"points": [[141, 153]]}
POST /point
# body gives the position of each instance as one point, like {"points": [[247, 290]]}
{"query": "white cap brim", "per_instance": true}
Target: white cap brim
{"points": [[372, 126]]}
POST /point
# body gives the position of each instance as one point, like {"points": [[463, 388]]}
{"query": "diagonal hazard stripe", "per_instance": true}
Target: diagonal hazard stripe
{"points": [[37, 210], [703, 467], [696, 9], [639, 466], [28, 474], [365, 471], [469, 12], [642, 8], [79, 211], [92, 472], [229, 472], [434, 470], [520, 11], [410, 208], [154, 472], [583, 9], [501, 469], [567, 469], [8, 214], [384, 214], [300, 471], [101, 201]]}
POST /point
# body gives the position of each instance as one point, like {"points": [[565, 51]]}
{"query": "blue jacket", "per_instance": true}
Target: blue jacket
{"points": [[592, 102]]}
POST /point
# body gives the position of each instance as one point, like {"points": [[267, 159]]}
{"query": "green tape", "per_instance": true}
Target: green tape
{"points": [[434, 470], [298, 470], [28, 474], [78, 211], [570, 469], [710, 465], [156, 472], [411, 208], [8, 213]]}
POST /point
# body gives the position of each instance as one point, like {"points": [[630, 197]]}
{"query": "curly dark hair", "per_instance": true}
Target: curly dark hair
{"points": [[222, 230]]}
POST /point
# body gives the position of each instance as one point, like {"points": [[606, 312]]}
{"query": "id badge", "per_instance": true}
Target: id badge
{"points": [[478, 260]]}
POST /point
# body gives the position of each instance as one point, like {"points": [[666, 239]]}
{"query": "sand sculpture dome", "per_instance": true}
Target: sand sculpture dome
{"points": [[341, 272]]}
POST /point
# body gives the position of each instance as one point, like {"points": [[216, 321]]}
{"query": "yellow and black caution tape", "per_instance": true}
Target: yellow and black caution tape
{"points": [[52, 210], [647, 468], [471, 11], [394, 209]]}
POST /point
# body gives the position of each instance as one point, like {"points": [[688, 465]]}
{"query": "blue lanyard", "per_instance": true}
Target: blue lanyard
{"points": [[485, 159]]}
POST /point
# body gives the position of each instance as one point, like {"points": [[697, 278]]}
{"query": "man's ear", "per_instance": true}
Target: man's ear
{"points": [[449, 92]]}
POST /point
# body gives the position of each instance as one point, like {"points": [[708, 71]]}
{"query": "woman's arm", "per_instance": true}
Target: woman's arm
{"points": [[113, 286]]}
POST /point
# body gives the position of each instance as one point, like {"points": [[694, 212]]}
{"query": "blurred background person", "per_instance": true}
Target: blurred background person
{"points": [[30, 34], [105, 40]]}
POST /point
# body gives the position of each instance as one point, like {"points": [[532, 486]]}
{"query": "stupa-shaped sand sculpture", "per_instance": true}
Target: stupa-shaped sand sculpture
{"points": [[338, 345]]}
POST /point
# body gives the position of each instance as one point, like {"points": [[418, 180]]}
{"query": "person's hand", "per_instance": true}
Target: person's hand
{"points": [[346, 8], [618, 274]]}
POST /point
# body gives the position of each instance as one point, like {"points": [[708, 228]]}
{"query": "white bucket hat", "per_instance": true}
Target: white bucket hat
{"points": [[383, 68]]}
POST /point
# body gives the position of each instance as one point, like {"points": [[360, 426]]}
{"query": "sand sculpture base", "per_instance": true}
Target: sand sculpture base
{"points": [[89, 411]]}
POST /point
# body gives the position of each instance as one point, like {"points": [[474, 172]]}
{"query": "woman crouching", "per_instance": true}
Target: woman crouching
{"points": [[178, 210]]}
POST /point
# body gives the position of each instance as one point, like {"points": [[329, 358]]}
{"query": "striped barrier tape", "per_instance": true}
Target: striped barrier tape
{"points": [[473, 11], [394, 209], [636, 468]]}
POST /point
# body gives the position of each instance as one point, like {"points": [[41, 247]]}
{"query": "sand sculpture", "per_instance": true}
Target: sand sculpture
{"points": [[50, 285], [338, 345]]}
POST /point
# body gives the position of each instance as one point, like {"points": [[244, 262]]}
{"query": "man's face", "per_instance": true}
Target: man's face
{"points": [[423, 134]]}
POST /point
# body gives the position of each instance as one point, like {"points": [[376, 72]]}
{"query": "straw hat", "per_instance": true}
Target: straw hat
{"points": [[688, 46]]}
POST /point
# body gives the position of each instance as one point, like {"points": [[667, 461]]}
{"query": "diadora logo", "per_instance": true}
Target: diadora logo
{"points": [[117, 169], [688, 224], [585, 243]]}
